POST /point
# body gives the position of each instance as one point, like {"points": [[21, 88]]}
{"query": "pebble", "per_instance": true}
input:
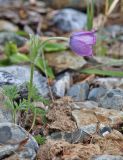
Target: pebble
{"points": [[113, 99], [96, 93], [72, 137], [69, 20], [79, 92], [62, 85], [7, 26], [86, 104]]}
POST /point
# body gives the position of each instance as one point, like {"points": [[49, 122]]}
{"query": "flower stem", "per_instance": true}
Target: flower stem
{"points": [[43, 58], [55, 38], [33, 122], [30, 83], [45, 69], [30, 91]]}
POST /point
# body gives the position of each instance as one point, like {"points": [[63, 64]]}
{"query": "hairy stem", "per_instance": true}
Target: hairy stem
{"points": [[30, 91], [33, 123], [45, 69], [30, 83]]}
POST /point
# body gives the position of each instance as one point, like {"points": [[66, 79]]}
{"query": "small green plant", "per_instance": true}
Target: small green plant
{"points": [[40, 139], [11, 93]]}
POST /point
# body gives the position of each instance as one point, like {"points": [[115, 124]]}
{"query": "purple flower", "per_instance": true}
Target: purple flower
{"points": [[82, 43]]}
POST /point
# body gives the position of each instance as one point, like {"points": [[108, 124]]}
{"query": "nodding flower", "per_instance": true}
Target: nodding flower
{"points": [[82, 43]]}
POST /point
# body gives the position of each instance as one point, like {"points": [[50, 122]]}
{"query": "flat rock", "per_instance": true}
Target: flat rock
{"points": [[96, 93], [112, 99], [79, 92], [61, 85], [86, 104], [67, 20], [18, 75], [107, 157], [11, 136], [7, 26], [64, 60], [86, 116]]}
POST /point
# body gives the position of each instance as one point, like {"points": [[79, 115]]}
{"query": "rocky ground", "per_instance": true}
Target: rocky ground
{"points": [[85, 120], [85, 123]]}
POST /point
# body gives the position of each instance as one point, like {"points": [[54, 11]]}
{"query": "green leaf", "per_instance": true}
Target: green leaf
{"points": [[4, 62], [22, 33], [103, 72], [54, 47], [10, 49], [19, 58], [49, 70]]}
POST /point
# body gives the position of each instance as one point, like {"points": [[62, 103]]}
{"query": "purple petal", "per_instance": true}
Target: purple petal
{"points": [[86, 37], [80, 48], [82, 33]]}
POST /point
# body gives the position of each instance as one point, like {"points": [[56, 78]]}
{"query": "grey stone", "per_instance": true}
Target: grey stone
{"points": [[67, 20], [7, 78], [72, 137], [107, 157], [5, 113], [92, 128], [109, 83], [79, 92], [18, 75], [62, 85], [112, 99], [11, 137], [7, 3], [7, 26], [13, 37], [96, 93], [5, 134], [115, 30], [86, 104]]}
